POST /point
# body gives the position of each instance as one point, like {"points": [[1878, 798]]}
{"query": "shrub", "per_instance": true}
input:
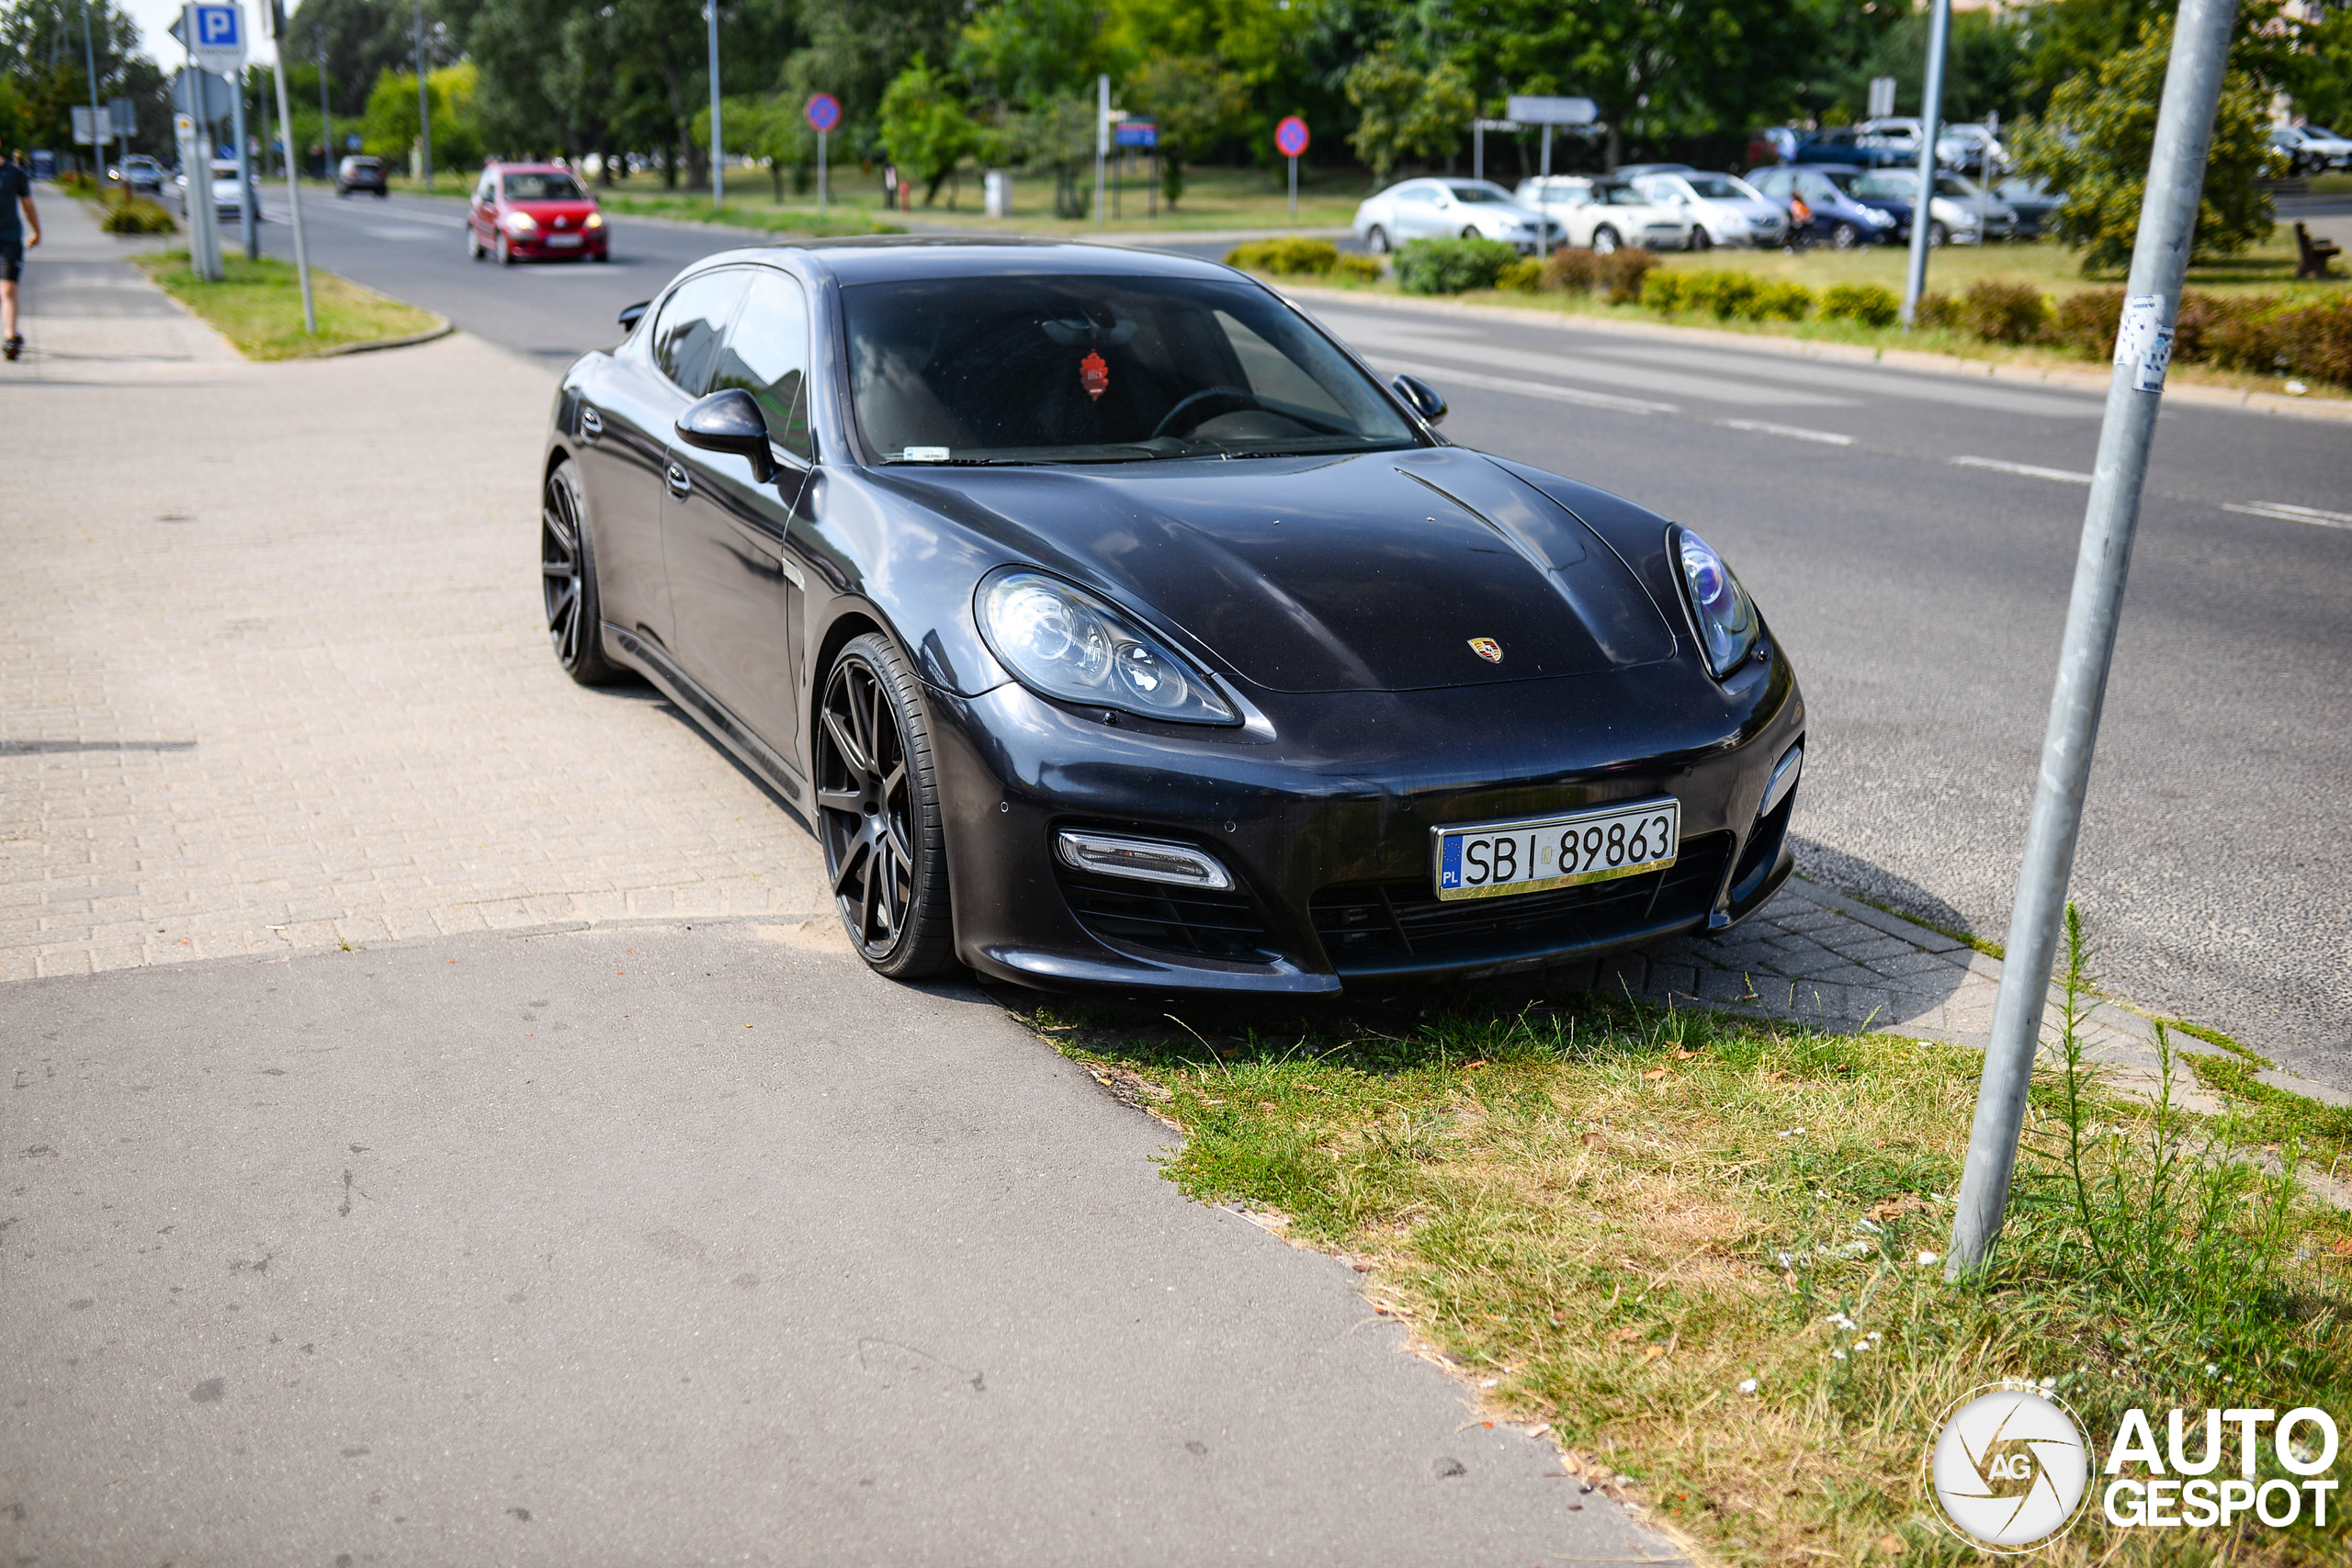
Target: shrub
{"points": [[1620, 275], [1782, 302], [1863, 302], [1362, 269], [1571, 272], [1452, 266], [1524, 276], [2084, 321], [137, 216], [1662, 292], [2317, 340], [1720, 294], [1285, 257], [1936, 309], [1998, 312]]}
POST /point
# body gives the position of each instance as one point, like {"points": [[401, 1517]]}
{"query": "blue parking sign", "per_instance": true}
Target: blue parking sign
{"points": [[218, 27]]}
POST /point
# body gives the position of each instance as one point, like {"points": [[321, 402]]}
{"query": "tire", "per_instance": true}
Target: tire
{"points": [[1937, 236], [1605, 241], [1470, 231], [877, 804], [601, 256], [505, 252], [1700, 238], [1376, 240], [568, 580], [473, 243], [1845, 237]]}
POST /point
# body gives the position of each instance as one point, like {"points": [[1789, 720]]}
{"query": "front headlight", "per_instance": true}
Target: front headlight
{"points": [[593, 220], [520, 222], [1064, 642], [1725, 617], [1878, 218]]}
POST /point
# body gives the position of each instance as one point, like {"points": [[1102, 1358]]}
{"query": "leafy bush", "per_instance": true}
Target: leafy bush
{"points": [[1524, 276], [1936, 309], [2259, 333], [1720, 294], [2000, 311], [2085, 320], [137, 216], [1662, 292], [1452, 266], [1782, 302], [1286, 257], [1863, 302], [1362, 269], [1571, 272], [1616, 277]]}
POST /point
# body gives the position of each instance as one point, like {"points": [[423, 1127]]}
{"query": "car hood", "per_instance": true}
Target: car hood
{"points": [[545, 212], [1370, 572]]}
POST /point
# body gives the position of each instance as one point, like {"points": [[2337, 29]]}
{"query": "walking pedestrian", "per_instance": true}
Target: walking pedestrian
{"points": [[16, 189]]}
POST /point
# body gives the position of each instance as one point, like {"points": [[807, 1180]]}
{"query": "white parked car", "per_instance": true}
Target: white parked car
{"points": [[1444, 209], [1606, 215], [2312, 147], [1963, 212], [1723, 210], [1961, 146], [228, 196]]}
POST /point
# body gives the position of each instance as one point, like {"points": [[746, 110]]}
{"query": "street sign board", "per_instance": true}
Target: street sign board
{"points": [[201, 96], [84, 129], [1289, 136], [124, 113], [220, 43], [824, 113], [1882, 101], [1137, 133], [1552, 111]]}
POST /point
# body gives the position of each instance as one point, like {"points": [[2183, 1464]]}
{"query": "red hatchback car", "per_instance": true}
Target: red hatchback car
{"points": [[526, 211]]}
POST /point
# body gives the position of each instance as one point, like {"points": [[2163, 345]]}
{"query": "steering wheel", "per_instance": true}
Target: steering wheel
{"points": [[1233, 399]]}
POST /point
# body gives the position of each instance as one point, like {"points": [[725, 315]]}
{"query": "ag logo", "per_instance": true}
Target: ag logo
{"points": [[2009, 1468], [1488, 648]]}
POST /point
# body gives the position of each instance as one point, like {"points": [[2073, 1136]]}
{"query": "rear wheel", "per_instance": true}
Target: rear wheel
{"points": [[473, 242], [1470, 231], [568, 580], [1604, 241], [1376, 240], [1937, 234], [1700, 238], [877, 809], [1845, 236]]}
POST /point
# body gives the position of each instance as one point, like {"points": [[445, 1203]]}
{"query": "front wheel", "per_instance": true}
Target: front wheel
{"points": [[1470, 231], [505, 252], [568, 580], [1604, 241], [473, 243], [1937, 235], [878, 816], [1376, 240], [1700, 239], [1845, 237]]}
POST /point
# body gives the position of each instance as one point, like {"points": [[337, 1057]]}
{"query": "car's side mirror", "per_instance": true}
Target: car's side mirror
{"points": [[729, 421], [1421, 398], [631, 314]]}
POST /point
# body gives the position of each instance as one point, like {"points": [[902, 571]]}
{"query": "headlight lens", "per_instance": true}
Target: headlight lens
{"points": [[1720, 608], [521, 220], [1064, 642], [593, 220]]}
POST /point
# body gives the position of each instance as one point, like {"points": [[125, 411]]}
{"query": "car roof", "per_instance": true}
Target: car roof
{"points": [[530, 168], [901, 258]]}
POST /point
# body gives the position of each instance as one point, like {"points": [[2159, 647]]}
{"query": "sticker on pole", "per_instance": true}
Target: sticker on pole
{"points": [[824, 111], [2144, 342], [1289, 136]]}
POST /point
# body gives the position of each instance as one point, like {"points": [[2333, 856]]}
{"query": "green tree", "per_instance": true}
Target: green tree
{"points": [[1058, 139], [1022, 53], [1198, 106], [1403, 112], [1984, 64], [923, 128], [769, 129], [390, 124], [2097, 139]]}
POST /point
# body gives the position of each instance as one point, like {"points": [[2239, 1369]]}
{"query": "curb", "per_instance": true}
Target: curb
{"points": [[2086, 380], [427, 336]]}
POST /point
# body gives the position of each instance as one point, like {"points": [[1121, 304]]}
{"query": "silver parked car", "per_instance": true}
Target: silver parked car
{"points": [[1606, 214], [228, 196], [1433, 209], [1963, 212]]}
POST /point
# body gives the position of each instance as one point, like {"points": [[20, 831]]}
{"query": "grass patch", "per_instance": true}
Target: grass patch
{"points": [[766, 218], [1617, 1214], [2212, 1036], [2273, 1116], [1966, 939], [257, 305]]}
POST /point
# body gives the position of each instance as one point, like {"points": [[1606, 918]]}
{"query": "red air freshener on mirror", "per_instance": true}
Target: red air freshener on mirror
{"points": [[1094, 376]]}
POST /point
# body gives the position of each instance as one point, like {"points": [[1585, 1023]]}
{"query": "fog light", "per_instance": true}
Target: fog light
{"points": [[1141, 860], [1784, 779]]}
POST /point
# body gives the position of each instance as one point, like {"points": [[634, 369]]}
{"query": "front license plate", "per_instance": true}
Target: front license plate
{"points": [[1491, 860], [564, 239]]}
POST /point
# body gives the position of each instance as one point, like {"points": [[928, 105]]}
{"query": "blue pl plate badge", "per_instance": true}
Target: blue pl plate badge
{"points": [[1449, 872]]}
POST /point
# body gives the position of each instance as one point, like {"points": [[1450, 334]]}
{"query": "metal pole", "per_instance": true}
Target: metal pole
{"points": [[326, 120], [294, 193], [424, 100], [90, 62], [245, 192], [1479, 150], [718, 177], [1544, 194], [1293, 188], [1931, 103], [2142, 347], [821, 174], [1102, 141]]}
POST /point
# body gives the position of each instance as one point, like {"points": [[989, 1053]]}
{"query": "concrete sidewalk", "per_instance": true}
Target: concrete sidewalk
{"points": [[84, 311]]}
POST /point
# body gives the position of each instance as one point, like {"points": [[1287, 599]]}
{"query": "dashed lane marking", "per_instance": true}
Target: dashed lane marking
{"points": [[2285, 512], [1531, 388], [2030, 470], [1794, 431]]}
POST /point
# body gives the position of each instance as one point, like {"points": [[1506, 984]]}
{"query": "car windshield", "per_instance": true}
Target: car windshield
{"points": [[362, 165], [1718, 187], [542, 187], [1095, 369], [1844, 179], [1478, 192], [1958, 189], [1889, 185], [1618, 196]]}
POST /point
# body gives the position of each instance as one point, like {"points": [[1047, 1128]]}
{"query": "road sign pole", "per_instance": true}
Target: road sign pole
{"points": [[326, 120], [717, 156], [1931, 102], [821, 174], [276, 14], [423, 103], [90, 62], [245, 224], [1101, 140], [2143, 348], [1294, 188], [1543, 216]]}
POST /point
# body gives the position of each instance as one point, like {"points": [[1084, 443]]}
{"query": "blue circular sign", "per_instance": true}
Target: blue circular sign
{"points": [[824, 111], [1289, 136]]}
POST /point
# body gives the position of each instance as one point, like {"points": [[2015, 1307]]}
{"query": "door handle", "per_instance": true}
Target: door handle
{"points": [[591, 423], [679, 481]]}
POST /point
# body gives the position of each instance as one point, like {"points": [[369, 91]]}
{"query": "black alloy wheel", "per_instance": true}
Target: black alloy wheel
{"points": [[878, 808], [1604, 241], [1700, 238], [568, 580], [1845, 236], [1376, 240]]}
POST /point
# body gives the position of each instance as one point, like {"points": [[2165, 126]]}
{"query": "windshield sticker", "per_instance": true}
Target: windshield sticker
{"points": [[1094, 376]]}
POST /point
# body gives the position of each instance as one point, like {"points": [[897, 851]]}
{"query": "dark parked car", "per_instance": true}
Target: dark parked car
{"points": [[534, 211], [1113, 625], [1839, 145], [2032, 201], [360, 174], [1840, 219]]}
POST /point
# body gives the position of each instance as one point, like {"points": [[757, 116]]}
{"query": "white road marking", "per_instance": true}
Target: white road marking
{"points": [[2287, 513], [1528, 388], [1613, 375], [385, 231], [1794, 431], [2066, 476]]}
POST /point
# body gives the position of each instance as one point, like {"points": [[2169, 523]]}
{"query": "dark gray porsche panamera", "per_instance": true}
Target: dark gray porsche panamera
{"points": [[1113, 625]]}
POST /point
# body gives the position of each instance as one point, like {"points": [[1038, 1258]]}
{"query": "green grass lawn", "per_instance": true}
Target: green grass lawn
{"points": [[1608, 1219], [257, 305]]}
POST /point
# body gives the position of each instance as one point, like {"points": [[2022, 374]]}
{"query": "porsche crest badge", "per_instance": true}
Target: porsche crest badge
{"points": [[1488, 648]]}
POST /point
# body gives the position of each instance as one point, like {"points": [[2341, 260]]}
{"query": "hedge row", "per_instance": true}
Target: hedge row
{"points": [[1300, 258]]}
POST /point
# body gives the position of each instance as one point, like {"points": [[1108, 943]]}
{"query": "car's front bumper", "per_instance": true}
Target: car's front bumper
{"points": [[1326, 826]]}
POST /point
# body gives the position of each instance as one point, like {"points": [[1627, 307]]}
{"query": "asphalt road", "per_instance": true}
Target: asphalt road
{"points": [[1912, 538]]}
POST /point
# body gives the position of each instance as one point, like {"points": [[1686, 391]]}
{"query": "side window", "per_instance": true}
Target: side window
{"points": [[482, 191], [767, 355], [1817, 190], [693, 320]]}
